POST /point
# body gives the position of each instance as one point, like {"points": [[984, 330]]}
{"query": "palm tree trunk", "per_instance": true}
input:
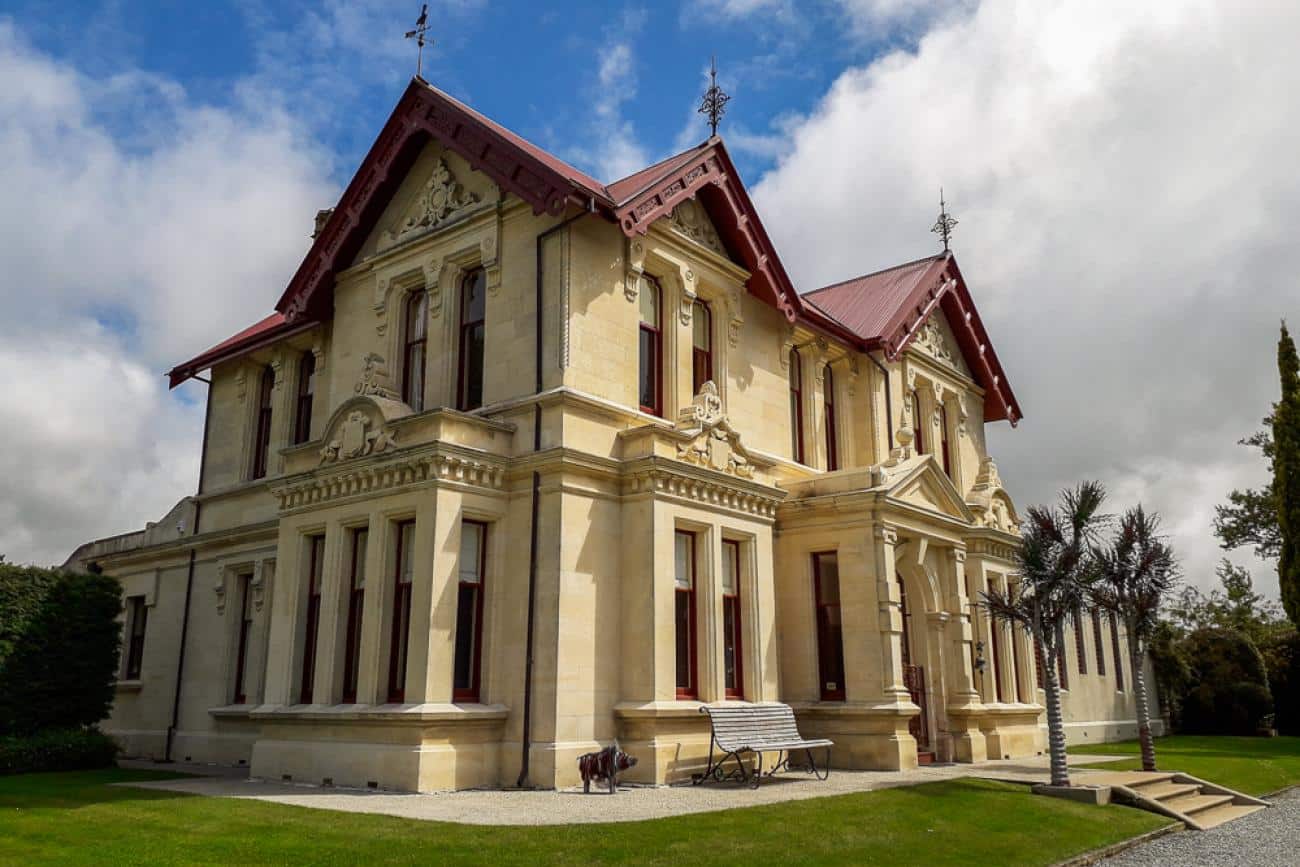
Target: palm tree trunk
{"points": [[1055, 722], [1140, 699]]}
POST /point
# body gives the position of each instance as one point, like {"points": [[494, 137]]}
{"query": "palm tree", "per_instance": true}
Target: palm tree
{"points": [[1055, 561], [1134, 571]]}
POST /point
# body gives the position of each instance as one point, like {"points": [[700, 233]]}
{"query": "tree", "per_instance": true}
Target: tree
{"points": [[1055, 565], [1250, 516], [1134, 571], [1286, 474]]}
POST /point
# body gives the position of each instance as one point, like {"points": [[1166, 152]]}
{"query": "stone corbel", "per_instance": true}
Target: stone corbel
{"points": [[262, 570], [241, 384], [219, 587], [687, 294], [787, 346], [491, 263], [819, 362], [736, 318], [277, 366], [938, 402], [634, 269], [855, 370], [962, 414], [433, 284], [318, 353]]}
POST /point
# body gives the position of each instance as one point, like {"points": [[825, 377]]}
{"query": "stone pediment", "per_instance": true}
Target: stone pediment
{"points": [[990, 503], [920, 482], [707, 438], [440, 200], [690, 220], [361, 427]]}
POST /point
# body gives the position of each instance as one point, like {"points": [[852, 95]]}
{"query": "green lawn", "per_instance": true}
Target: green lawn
{"points": [[1251, 765], [75, 818]]}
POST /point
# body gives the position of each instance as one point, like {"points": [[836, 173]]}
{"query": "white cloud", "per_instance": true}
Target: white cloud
{"points": [[615, 150], [1120, 173]]}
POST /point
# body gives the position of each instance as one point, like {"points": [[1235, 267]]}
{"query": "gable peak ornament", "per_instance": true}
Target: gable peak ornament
{"points": [[442, 198], [714, 104], [418, 34], [945, 224]]}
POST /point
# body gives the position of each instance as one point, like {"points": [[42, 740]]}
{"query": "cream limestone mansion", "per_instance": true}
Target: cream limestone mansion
{"points": [[525, 463]]}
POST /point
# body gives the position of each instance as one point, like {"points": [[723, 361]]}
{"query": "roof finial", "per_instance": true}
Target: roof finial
{"points": [[945, 224], [421, 28], [714, 105]]}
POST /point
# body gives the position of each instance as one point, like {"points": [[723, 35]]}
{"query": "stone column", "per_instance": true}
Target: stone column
{"points": [[433, 598], [858, 616], [890, 616], [965, 707]]}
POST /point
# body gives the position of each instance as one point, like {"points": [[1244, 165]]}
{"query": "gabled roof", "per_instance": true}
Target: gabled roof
{"points": [[255, 336]]}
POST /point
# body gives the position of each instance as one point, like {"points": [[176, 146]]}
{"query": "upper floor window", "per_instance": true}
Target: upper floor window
{"points": [[469, 611], [732, 650], [415, 331], [684, 611], [796, 406], [651, 349], [832, 449], [944, 452], [701, 346], [918, 428], [315, 576], [473, 312], [306, 389], [262, 432], [136, 616]]}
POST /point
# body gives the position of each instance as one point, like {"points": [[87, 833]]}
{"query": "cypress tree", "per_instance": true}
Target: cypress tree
{"points": [[1286, 474]]}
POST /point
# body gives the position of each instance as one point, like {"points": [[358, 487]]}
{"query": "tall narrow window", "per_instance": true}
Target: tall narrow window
{"points": [[473, 313], [701, 346], [832, 438], [944, 453], [830, 630], [356, 598], [1016, 663], [796, 407], [733, 671], [1062, 674], [469, 611], [684, 601], [241, 648], [1080, 647], [416, 324], [1097, 642], [918, 426], [1114, 647], [995, 639], [306, 390], [262, 433], [403, 573], [651, 349], [137, 615], [315, 572]]}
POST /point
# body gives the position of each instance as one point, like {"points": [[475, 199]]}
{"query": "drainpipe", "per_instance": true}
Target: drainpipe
{"points": [[189, 583], [889, 401], [526, 737]]}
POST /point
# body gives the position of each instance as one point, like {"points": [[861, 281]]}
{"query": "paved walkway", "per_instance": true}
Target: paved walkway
{"points": [[565, 807], [1267, 838]]}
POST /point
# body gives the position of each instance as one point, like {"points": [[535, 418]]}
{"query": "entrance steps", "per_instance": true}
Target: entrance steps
{"points": [[1198, 804]]}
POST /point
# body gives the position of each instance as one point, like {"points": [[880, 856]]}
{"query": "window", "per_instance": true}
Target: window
{"points": [[830, 630], [403, 572], [416, 326], [701, 346], [473, 312], [262, 433], [651, 348], [995, 639], [684, 565], [944, 454], [832, 452], [796, 407], [1114, 647], [136, 616], [1062, 674], [733, 671], [1080, 649], [1013, 588], [241, 649], [1097, 642], [469, 611], [306, 388], [918, 428], [315, 572], [356, 601]]}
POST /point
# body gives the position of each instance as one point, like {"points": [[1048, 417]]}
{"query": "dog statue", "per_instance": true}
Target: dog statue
{"points": [[604, 765]]}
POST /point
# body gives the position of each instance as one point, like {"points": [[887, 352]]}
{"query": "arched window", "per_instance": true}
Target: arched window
{"points": [[943, 439], [796, 406], [651, 342], [306, 389], [832, 451], [416, 329], [701, 346], [262, 431], [473, 310], [918, 428]]}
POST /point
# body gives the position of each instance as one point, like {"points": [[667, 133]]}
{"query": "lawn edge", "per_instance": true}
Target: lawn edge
{"points": [[1095, 855]]}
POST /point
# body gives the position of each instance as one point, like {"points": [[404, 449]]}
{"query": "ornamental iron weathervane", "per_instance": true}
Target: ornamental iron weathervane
{"points": [[714, 105], [421, 28], [945, 224]]}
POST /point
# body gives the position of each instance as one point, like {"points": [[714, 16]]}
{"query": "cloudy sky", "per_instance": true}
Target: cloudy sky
{"points": [[1124, 174]]}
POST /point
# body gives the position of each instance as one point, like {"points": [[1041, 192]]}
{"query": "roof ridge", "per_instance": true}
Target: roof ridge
{"points": [[648, 172], [933, 258]]}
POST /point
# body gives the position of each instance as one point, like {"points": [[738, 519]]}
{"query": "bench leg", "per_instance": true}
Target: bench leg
{"points": [[825, 772]]}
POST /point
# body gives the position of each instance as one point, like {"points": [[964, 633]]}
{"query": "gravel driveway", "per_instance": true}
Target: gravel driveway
{"points": [[1267, 838]]}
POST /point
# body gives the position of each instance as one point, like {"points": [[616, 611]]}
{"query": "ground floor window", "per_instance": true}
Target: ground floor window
{"points": [[356, 598], [684, 611], [469, 611], [403, 573], [732, 649], [136, 617], [241, 646], [1119, 659], [315, 572], [830, 629]]}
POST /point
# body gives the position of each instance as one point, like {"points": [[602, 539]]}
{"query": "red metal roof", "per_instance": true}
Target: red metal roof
{"points": [[869, 303], [624, 189], [254, 336]]}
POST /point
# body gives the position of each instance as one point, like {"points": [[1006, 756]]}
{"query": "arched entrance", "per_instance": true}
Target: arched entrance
{"points": [[922, 652]]}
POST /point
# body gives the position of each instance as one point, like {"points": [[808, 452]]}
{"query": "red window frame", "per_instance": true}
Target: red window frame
{"points": [[944, 453], [467, 673], [796, 406], [471, 339], [701, 356], [1015, 648], [1098, 643], [415, 331], [1062, 670], [832, 439], [306, 391], [733, 649], [399, 644], [995, 639], [650, 349], [918, 427], [262, 443], [241, 647], [315, 576], [1115, 651], [830, 628], [137, 622], [684, 615], [356, 605]]}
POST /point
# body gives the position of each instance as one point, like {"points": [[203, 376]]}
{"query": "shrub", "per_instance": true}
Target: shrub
{"points": [[59, 637], [1282, 656], [56, 750], [1228, 686]]}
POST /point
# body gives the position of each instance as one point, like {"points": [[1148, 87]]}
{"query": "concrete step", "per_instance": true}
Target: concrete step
{"points": [[1165, 791], [1191, 805], [1216, 816]]}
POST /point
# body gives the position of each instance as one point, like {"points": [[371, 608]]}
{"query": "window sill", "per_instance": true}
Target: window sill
{"points": [[232, 711], [395, 713], [129, 685]]}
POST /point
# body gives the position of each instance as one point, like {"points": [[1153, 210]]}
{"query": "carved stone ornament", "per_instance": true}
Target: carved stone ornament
{"points": [[931, 339], [355, 441], [713, 444], [990, 503], [962, 414], [634, 270], [442, 198], [690, 220], [374, 377], [737, 317]]}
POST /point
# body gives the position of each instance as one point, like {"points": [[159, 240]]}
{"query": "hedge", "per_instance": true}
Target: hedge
{"points": [[56, 750], [1228, 690]]}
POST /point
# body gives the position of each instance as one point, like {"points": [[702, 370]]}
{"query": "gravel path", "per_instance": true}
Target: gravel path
{"points": [[1267, 838]]}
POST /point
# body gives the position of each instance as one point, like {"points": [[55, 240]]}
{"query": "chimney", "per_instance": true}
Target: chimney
{"points": [[322, 217]]}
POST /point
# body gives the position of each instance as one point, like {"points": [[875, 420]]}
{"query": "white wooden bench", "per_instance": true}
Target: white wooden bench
{"points": [[755, 729]]}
